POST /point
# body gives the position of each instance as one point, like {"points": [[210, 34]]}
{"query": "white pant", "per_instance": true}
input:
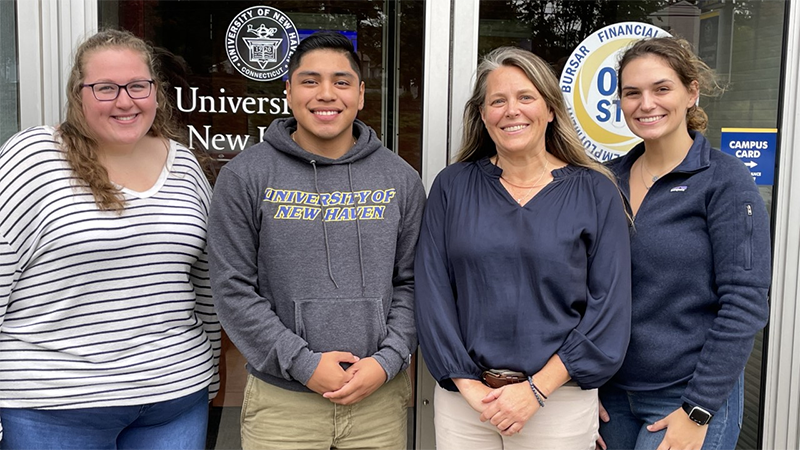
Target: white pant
{"points": [[569, 422]]}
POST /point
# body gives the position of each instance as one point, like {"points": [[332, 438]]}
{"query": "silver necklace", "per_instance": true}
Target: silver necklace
{"points": [[655, 177], [644, 182]]}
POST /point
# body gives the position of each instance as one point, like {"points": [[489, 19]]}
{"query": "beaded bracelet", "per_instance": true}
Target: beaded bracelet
{"points": [[536, 392], [536, 388]]}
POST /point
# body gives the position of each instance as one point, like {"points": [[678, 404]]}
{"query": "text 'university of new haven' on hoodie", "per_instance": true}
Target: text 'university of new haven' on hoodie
{"points": [[310, 254]]}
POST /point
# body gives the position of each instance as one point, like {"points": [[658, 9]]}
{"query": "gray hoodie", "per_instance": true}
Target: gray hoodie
{"points": [[310, 255]]}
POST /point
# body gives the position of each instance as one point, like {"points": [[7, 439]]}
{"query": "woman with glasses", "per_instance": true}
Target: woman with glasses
{"points": [[108, 335]]}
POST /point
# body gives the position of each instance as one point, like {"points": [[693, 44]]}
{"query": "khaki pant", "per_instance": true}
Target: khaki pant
{"points": [[276, 418], [569, 421]]}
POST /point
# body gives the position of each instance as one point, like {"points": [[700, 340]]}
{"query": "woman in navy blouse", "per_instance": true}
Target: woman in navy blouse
{"points": [[522, 271], [701, 263]]}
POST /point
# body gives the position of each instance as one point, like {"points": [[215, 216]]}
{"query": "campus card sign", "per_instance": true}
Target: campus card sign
{"points": [[755, 147], [589, 86]]}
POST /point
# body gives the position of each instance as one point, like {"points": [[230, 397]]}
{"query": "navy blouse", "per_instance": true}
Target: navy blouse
{"points": [[504, 286]]}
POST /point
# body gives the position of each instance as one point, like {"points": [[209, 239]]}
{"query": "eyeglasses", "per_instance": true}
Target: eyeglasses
{"points": [[107, 92]]}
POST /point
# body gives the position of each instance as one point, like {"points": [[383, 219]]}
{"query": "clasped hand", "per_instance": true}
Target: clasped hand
{"points": [[508, 408], [345, 387]]}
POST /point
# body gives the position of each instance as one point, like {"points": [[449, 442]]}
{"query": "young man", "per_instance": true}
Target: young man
{"points": [[311, 240]]}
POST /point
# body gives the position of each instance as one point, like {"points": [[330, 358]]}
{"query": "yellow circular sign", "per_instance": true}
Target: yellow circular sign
{"points": [[589, 86]]}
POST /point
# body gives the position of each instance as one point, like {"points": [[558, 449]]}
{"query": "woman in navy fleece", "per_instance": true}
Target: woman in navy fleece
{"points": [[700, 250], [522, 271]]}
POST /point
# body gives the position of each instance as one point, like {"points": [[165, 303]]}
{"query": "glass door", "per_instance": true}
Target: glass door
{"points": [[228, 101], [9, 75]]}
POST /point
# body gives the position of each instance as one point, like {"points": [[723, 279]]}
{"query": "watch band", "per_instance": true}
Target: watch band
{"points": [[698, 415]]}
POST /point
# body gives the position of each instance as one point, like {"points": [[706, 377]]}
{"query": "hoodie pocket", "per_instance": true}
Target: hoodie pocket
{"points": [[334, 324]]}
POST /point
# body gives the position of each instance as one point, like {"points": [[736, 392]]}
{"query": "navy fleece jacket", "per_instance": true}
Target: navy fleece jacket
{"points": [[310, 255], [700, 252]]}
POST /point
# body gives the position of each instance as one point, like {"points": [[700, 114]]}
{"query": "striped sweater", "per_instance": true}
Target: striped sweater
{"points": [[99, 308]]}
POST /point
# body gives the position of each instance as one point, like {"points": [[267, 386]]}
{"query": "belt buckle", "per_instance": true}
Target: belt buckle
{"points": [[496, 378]]}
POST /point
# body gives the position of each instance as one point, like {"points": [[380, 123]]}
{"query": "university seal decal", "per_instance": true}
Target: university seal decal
{"points": [[259, 42], [589, 86]]}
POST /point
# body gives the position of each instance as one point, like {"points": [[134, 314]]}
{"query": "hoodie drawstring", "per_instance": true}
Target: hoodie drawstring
{"points": [[325, 232], [358, 230]]}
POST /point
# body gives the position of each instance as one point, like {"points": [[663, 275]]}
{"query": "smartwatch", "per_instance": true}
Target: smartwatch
{"points": [[698, 415]]}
